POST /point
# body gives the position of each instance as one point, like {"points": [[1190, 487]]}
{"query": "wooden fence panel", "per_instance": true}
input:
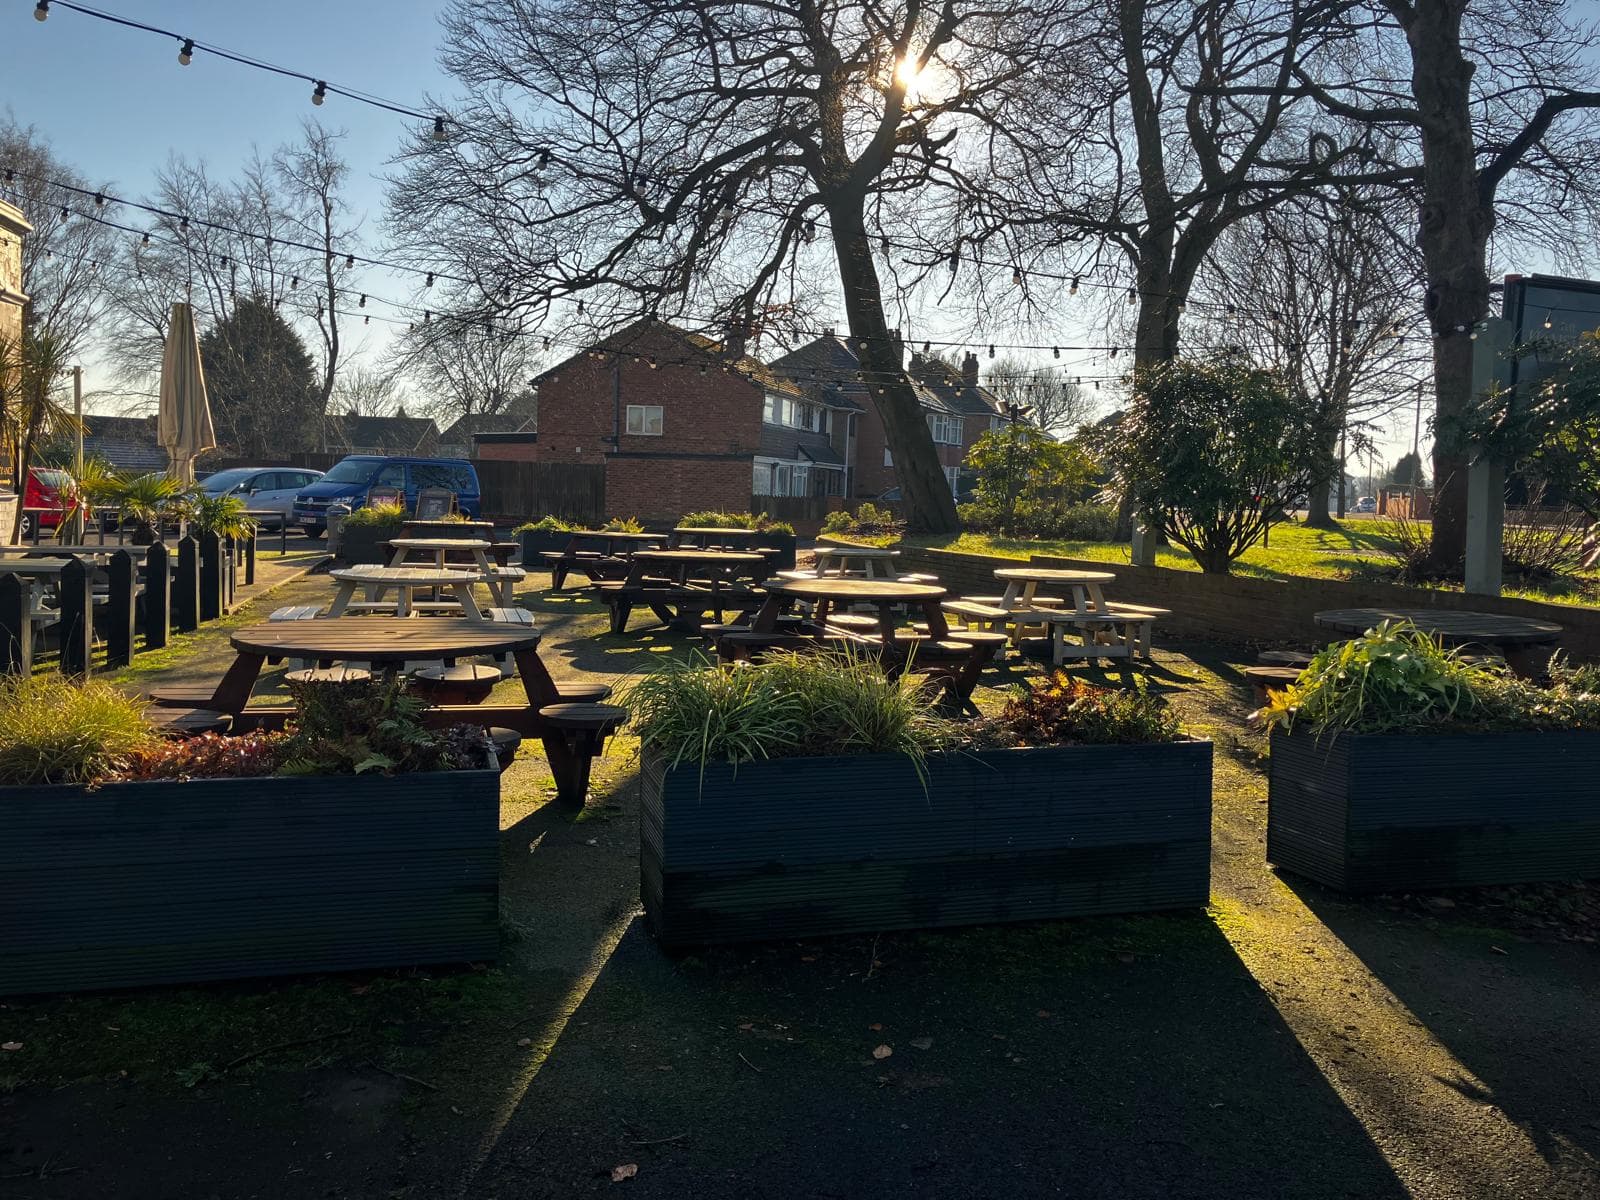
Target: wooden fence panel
{"points": [[528, 491]]}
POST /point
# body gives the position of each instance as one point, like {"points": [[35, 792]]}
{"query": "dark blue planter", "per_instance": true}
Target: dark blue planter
{"points": [[179, 882], [1400, 812], [813, 846]]}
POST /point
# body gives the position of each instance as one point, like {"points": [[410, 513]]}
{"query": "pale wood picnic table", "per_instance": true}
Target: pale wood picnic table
{"points": [[1022, 583], [869, 562], [885, 595], [405, 582], [501, 581]]}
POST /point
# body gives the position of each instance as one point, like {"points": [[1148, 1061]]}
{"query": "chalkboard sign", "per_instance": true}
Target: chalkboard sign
{"points": [[434, 504], [385, 495]]}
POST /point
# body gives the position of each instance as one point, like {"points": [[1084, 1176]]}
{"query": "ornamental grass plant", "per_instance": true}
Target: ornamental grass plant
{"points": [[56, 730]]}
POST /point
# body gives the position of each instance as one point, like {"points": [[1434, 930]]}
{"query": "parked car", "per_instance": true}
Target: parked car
{"points": [[353, 476], [46, 490], [1367, 504], [262, 488]]}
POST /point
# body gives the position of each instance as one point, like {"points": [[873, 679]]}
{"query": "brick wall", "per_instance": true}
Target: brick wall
{"points": [[12, 229], [872, 477], [659, 491], [1257, 611]]}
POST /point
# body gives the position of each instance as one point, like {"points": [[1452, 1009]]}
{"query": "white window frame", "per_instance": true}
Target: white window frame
{"points": [[952, 476], [643, 412], [946, 429], [888, 458]]}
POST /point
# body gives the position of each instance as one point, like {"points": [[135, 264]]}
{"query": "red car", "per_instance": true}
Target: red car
{"points": [[44, 492]]}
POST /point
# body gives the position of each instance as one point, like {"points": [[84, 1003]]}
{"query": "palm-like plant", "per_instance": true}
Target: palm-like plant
{"points": [[225, 516], [147, 500]]}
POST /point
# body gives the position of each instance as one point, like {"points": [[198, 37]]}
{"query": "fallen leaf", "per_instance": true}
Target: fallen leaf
{"points": [[625, 1171], [10, 1045], [882, 1052], [747, 1025], [524, 1041], [1497, 950], [876, 1027], [592, 842], [808, 958], [923, 1043], [1042, 1013]]}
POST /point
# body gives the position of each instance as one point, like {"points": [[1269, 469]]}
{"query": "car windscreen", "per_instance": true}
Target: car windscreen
{"points": [[223, 480], [351, 470]]}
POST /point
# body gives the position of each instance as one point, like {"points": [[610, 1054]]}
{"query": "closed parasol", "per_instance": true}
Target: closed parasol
{"points": [[183, 423]]}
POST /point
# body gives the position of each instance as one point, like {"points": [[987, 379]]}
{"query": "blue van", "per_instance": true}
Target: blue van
{"points": [[354, 475]]}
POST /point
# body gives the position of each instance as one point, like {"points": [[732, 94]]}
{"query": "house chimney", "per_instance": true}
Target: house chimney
{"points": [[899, 343], [733, 340], [969, 370]]}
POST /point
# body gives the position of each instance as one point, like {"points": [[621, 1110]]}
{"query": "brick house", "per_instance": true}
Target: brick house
{"points": [[959, 410], [675, 418]]}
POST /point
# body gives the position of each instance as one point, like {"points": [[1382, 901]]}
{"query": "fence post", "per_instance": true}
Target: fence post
{"points": [[121, 606], [157, 596], [212, 569], [230, 571], [77, 618], [16, 630], [186, 587], [250, 560]]}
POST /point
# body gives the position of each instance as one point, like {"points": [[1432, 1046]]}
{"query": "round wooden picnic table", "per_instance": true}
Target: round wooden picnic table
{"points": [[690, 558], [732, 535], [1453, 627], [884, 594], [619, 535], [386, 642], [1052, 575]]}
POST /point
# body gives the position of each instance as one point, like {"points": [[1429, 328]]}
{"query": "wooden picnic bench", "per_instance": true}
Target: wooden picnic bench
{"points": [[683, 586]]}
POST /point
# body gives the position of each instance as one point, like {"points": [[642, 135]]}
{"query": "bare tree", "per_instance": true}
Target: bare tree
{"points": [[465, 366], [66, 259], [367, 392], [1329, 289], [682, 156], [1496, 103], [1047, 397]]}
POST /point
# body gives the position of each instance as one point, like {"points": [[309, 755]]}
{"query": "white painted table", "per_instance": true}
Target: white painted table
{"points": [[500, 582], [405, 582]]}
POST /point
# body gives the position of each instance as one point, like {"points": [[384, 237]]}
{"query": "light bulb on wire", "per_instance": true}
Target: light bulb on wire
{"points": [[41, 10], [319, 93], [186, 53], [439, 134]]}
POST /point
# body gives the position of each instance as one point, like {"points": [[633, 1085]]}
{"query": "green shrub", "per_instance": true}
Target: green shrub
{"points": [[550, 524], [1063, 710], [714, 519], [53, 730], [623, 525], [1398, 679], [838, 522], [352, 728], [791, 705], [224, 516], [383, 516], [867, 521]]}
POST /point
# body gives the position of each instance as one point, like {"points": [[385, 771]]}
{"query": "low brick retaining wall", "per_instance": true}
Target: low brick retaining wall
{"points": [[1258, 611]]}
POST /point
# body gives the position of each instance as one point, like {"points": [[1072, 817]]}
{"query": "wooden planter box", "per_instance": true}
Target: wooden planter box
{"points": [[811, 846], [536, 541], [178, 882], [1398, 812], [366, 544]]}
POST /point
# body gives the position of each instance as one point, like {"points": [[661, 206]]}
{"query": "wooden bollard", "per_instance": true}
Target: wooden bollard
{"points": [[157, 597], [121, 609], [250, 560], [16, 630], [186, 587], [77, 618], [212, 569]]}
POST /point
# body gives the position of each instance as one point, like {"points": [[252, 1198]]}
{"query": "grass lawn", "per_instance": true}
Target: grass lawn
{"points": [[1357, 549]]}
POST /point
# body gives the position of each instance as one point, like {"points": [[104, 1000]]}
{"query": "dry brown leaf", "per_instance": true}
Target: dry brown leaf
{"points": [[876, 1027], [524, 1041], [922, 1043], [10, 1045], [882, 1052], [625, 1171]]}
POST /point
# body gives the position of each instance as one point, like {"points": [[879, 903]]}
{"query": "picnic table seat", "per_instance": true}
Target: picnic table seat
{"points": [[179, 723], [1036, 602], [619, 597], [996, 642], [1266, 680], [1298, 659], [575, 734], [509, 616], [745, 645], [339, 674], [975, 614], [506, 744], [464, 683], [582, 693], [855, 622]]}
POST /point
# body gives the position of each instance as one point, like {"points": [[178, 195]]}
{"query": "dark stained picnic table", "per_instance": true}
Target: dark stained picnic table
{"points": [[385, 642], [1456, 628]]}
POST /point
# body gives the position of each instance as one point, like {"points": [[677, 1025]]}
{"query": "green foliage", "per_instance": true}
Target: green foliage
{"points": [[1071, 523], [383, 516], [549, 524], [1213, 451], [789, 706], [867, 521], [148, 500], [1064, 710], [352, 728], [715, 519], [54, 730], [209, 756], [1021, 470], [261, 380], [32, 407], [1393, 678], [1408, 471], [224, 516], [623, 525]]}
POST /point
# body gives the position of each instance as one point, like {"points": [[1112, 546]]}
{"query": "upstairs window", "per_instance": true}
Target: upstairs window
{"points": [[945, 428], [644, 420]]}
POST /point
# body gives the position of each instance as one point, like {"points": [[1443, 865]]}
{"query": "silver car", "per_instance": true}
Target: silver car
{"points": [[263, 489]]}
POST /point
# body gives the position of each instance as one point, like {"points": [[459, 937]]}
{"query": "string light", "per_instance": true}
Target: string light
{"points": [[1548, 321], [319, 93], [1073, 290], [186, 54], [439, 134], [41, 10]]}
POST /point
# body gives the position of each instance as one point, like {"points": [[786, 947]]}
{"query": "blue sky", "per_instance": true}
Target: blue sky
{"points": [[116, 103]]}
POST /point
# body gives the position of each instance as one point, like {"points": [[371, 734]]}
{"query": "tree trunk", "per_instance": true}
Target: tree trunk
{"points": [[1317, 514], [930, 506], [1453, 234]]}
